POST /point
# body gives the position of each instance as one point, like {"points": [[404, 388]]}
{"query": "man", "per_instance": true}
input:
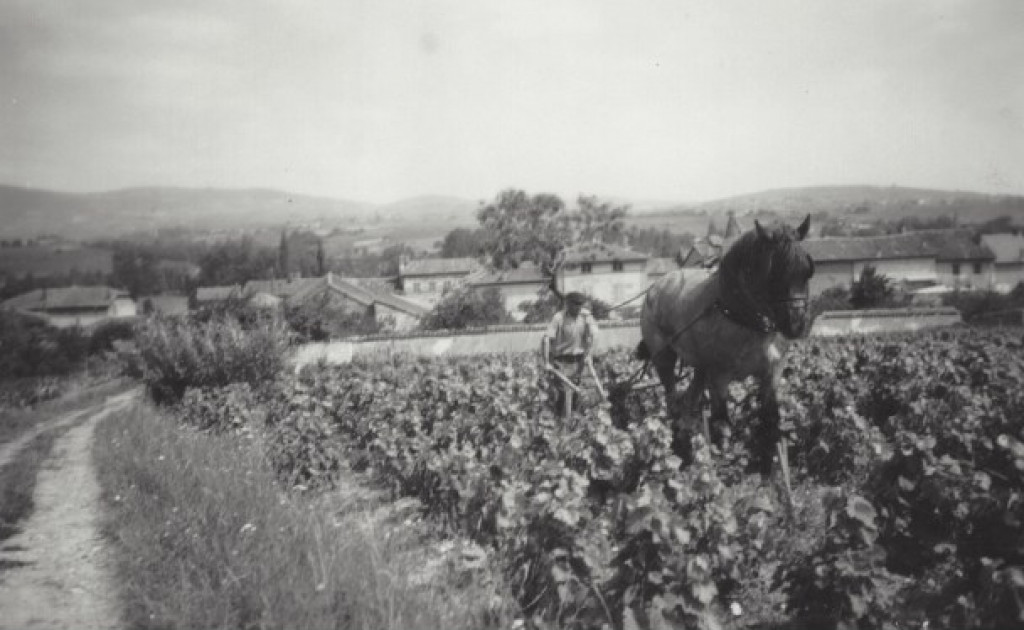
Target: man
{"points": [[567, 343]]}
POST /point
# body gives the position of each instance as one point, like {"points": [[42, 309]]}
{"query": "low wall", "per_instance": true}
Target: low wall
{"points": [[511, 339], [834, 323], [619, 334]]}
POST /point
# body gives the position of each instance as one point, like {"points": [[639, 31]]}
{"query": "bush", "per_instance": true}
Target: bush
{"points": [[104, 335], [219, 409], [467, 308], [178, 354], [29, 347]]}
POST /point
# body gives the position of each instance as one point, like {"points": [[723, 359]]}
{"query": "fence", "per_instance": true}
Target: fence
{"points": [[834, 323]]}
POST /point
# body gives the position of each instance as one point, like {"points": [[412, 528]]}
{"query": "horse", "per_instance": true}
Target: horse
{"points": [[737, 322]]}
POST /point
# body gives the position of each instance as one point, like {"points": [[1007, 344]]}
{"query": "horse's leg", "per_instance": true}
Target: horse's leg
{"points": [[665, 365]]}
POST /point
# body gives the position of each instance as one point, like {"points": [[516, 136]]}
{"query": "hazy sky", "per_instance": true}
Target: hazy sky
{"points": [[378, 100]]}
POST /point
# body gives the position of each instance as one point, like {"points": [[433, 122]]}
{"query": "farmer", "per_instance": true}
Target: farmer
{"points": [[566, 346]]}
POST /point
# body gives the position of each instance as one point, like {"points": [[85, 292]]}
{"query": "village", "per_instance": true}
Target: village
{"points": [[923, 266]]}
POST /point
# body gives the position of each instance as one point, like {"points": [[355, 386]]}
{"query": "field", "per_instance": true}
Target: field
{"points": [[907, 455], [40, 260]]}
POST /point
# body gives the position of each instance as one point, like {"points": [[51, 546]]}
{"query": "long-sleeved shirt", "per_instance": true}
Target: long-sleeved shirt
{"points": [[571, 336]]}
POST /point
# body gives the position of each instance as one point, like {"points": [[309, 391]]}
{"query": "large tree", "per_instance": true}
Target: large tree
{"points": [[518, 227]]}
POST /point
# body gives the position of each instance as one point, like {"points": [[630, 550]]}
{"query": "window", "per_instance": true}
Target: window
{"points": [[416, 287], [617, 265], [977, 268], [956, 269], [433, 286], [586, 268]]}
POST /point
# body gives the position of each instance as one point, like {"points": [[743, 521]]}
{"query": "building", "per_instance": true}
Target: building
{"points": [[609, 273], [425, 280], [74, 306], [390, 311], [210, 295], [516, 285], [951, 258], [1008, 267]]}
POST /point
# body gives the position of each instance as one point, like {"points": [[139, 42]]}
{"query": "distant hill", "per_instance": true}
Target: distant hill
{"points": [[870, 201], [26, 212]]}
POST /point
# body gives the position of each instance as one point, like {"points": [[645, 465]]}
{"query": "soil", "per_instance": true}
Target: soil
{"points": [[55, 572]]}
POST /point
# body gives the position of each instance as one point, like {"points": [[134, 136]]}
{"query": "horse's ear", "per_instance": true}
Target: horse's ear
{"points": [[804, 228], [760, 230]]}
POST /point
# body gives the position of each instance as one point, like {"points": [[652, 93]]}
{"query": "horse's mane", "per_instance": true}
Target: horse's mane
{"points": [[754, 259]]}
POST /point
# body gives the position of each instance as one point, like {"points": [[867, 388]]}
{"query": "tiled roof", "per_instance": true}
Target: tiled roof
{"points": [[526, 273], [214, 294], [1006, 247], [283, 288], [398, 303], [600, 252], [65, 298], [945, 245], [438, 266]]}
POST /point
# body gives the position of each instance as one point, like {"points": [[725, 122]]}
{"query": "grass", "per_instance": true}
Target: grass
{"points": [[18, 481], [204, 538], [16, 422]]}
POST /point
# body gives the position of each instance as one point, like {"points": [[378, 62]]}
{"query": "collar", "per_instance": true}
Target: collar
{"points": [[756, 321]]}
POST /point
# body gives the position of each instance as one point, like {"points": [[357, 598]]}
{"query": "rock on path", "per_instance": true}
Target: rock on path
{"points": [[57, 575]]}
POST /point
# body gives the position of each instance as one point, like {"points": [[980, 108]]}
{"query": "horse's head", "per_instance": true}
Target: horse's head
{"points": [[772, 269]]}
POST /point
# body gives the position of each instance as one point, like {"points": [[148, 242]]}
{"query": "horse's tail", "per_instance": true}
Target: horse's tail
{"points": [[643, 353]]}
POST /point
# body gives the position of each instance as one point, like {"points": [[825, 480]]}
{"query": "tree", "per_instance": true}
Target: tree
{"points": [[463, 242], [282, 255], [321, 259], [871, 290], [467, 308], [518, 227]]}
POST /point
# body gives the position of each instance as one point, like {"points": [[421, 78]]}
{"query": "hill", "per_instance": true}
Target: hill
{"points": [[872, 201], [27, 212]]}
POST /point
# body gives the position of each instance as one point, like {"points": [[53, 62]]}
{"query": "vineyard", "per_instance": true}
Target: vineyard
{"points": [[907, 455]]}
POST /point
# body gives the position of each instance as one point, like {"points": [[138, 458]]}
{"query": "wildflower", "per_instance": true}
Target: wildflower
{"points": [[248, 527]]}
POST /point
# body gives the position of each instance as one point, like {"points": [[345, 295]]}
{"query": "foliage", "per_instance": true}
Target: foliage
{"points": [[465, 308], [870, 290], [831, 299], [320, 319], [908, 452], [29, 347], [518, 227], [976, 304], [180, 354], [104, 335], [463, 243], [236, 262], [218, 409]]}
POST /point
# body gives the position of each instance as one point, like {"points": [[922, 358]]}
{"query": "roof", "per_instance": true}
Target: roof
{"points": [[398, 303], [944, 245], [215, 294], [282, 288], [169, 304], [527, 273], [66, 298], [600, 252], [1006, 247], [438, 266], [348, 288]]}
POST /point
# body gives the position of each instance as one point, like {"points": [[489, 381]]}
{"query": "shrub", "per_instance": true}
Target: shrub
{"points": [[467, 308], [178, 354], [219, 409], [104, 336]]}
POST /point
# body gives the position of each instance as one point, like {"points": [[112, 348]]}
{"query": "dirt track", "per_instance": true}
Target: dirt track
{"points": [[56, 575]]}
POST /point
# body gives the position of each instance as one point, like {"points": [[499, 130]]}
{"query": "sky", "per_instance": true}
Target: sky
{"points": [[379, 100]]}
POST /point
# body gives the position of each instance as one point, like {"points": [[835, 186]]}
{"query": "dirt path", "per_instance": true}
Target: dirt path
{"points": [[57, 575]]}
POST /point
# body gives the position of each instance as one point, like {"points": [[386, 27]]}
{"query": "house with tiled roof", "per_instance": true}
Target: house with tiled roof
{"points": [[348, 296], [74, 306], [610, 273], [955, 259], [516, 285], [209, 295], [425, 280], [1008, 266]]}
